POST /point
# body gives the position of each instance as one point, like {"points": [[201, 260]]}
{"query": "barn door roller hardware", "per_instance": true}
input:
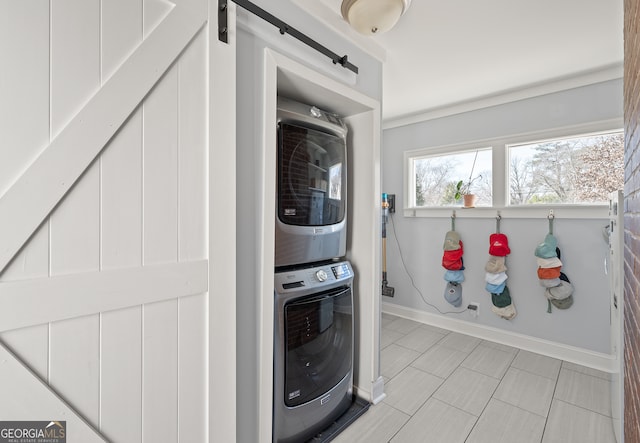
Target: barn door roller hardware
{"points": [[284, 29]]}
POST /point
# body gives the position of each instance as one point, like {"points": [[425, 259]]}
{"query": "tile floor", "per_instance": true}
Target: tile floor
{"points": [[446, 387]]}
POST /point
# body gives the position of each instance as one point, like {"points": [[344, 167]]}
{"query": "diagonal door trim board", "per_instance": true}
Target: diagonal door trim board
{"points": [[22, 302], [43, 185]]}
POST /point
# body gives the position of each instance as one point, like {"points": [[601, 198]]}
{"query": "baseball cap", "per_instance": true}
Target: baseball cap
{"points": [[499, 245], [547, 249], [495, 265], [453, 294], [451, 241], [495, 279]]}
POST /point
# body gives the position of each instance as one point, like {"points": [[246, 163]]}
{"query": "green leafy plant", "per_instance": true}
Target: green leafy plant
{"points": [[464, 188]]}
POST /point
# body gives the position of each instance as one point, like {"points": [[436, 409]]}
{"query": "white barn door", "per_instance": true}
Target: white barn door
{"points": [[103, 217]]}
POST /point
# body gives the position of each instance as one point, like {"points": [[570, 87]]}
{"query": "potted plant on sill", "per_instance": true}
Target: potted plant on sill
{"points": [[463, 189]]}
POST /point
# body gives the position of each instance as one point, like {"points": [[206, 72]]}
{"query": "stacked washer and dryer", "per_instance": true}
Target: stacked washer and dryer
{"points": [[313, 317]]}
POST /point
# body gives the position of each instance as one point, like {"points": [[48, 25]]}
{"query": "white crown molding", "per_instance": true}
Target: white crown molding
{"points": [[334, 20], [611, 72]]}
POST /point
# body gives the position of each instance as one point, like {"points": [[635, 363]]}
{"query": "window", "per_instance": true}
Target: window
{"points": [[576, 167], [578, 170], [434, 177]]}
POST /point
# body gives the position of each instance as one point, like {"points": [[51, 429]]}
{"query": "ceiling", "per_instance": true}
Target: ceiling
{"points": [[458, 54]]}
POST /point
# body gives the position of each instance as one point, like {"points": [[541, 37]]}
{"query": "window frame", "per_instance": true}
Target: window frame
{"points": [[500, 176], [438, 152], [508, 153]]}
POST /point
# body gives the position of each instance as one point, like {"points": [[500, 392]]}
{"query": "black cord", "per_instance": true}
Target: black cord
{"points": [[404, 265]]}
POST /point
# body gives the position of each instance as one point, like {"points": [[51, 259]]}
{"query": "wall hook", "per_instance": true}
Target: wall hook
{"points": [[453, 220], [498, 218]]}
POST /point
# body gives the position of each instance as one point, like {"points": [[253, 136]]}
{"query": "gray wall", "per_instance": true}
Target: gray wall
{"points": [[584, 325], [250, 46]]}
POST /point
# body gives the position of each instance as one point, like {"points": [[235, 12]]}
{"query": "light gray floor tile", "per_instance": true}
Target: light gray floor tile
{"points": [[525, 390], [394, 359], [435, 329], [584, 390], [410, 389], [504, 423], [580, 406], [440, 361], [419, 339], [436, 422], [377, 425], [386, 320], [500, 346], [403, 325], [568, 423], [387, 316], [387, 337], [585, 370], [467, 390], [488, 361], [537, 364], [460, 342]]}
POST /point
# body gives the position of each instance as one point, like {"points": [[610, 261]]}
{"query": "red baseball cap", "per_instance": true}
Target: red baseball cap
{"points": [[499, 245]]}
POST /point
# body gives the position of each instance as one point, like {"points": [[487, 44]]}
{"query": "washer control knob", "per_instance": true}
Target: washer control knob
{"points": [[322, 275]]}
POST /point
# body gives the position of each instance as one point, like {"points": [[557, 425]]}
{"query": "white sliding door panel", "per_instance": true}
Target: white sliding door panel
{"points": [[31, 345], [33, 259], [75, 76], [74, 368], [75, 58], [24, 89], [121, 161], [74, 344], [75, 228], [193, 150], [121, 197], [154, 12], [160, 172], [104, 269], [121, 32], [121, 375], [121, 237], [192, 364], [30, 398], [160, 372]]}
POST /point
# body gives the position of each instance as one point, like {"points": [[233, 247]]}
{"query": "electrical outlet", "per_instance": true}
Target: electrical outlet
{"points": [[474, 309], [391, 198]]}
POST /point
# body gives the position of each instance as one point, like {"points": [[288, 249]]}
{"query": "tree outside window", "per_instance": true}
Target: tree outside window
{"points": [[577, 170]]}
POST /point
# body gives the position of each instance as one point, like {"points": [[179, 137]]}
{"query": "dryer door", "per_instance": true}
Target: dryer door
{"points": [[311, 176]]}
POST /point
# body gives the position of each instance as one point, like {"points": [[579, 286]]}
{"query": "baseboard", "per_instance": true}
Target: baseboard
{"points": [[377, 388], [573, 354]]}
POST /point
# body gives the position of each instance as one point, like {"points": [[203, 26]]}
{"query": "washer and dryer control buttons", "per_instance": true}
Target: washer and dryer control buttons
{"points": [[321, 275]]}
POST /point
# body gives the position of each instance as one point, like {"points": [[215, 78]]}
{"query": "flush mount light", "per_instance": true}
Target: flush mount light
{"points": [[371, 17]]}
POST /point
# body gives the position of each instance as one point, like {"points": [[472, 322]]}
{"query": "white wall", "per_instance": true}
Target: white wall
{"points": [[253, 36], [586, 324]]}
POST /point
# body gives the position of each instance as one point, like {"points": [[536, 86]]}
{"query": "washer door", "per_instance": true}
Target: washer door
{"points": [[318, 350]]}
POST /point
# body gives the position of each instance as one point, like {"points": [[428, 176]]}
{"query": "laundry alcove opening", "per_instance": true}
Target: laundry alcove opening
{"points": [[288, 78]]}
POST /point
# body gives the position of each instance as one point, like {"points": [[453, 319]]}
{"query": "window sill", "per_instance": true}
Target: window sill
{"points": [[539, 211]]}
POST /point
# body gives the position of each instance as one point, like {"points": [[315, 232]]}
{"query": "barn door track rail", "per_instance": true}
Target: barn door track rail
{"points": [[284, 28]]}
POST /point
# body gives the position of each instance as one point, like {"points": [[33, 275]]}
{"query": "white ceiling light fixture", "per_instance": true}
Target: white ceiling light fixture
{"points": [[370, 17]]}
